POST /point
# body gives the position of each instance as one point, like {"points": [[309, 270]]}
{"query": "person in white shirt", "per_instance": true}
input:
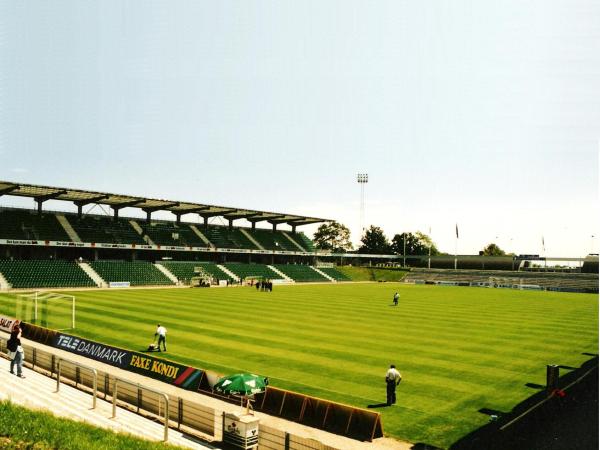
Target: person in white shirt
{"points": [[396, 297], [392, 379], [161, 332]]}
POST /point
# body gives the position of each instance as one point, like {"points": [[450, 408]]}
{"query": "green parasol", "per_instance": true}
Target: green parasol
{"points": [[243, 384]]}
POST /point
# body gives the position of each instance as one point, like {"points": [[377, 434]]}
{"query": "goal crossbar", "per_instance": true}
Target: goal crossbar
{"points": [[39, 296]]}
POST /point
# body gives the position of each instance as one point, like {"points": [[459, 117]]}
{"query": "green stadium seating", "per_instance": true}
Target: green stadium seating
{"points": [[165, 233], [184, 270], [104, 229], [300, 273], [272, 240], [223, 237], [26, 224], [304, 241], [334, 273], [252, 270], [138, 273], [44, 274]]}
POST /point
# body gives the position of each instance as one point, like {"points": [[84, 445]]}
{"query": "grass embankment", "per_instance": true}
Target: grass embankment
{"points": [[372, 273], [21, 429], [460, 350]]}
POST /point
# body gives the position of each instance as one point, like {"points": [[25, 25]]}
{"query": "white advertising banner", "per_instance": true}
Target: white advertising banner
{"points": [[178, 248], [8, 323]]}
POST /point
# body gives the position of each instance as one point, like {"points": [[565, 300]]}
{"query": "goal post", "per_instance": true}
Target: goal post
{"points": [[48, 309]]}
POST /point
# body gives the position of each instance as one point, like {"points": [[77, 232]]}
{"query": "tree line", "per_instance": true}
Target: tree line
{"points": [[335, 236]]}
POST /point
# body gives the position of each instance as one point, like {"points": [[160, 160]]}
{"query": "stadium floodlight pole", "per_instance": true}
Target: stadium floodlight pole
{"points": [[362, 178], [456, 249], [404, 250], [429, 256]]}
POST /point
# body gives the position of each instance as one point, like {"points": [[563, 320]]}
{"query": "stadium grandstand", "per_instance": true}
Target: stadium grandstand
{"points": [[49, 249]]}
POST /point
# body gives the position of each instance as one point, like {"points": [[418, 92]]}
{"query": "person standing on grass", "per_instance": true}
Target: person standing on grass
{"points": [[161, 332], [392, 379], [396, 298], [16, 352]]}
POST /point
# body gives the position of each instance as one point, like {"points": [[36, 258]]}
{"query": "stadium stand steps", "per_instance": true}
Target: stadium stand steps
{"points": [[334, 273], [280, 273], [105, 230], [167, 273], [304, 241], [320, 272], [137, 273], [270, 240], [251, 239], [73, 236], [28, 225], [229, 273], [4, 285], [203, 238], [298, 246], [93, 274], [223, 237], [184, 270], [301, 273], [139, 230], [44, 274], [251, 270], [163, 233]]}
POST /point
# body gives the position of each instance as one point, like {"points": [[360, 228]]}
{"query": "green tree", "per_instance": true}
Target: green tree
{"points": [[416, 244], [374, 242], [333, 236], [492, 250]]}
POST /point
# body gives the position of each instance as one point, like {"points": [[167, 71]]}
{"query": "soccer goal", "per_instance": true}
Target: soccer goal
{"points": [[47, 309]]}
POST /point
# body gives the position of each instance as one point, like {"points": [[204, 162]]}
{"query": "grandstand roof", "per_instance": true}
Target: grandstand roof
{"points": [[118, 201]]}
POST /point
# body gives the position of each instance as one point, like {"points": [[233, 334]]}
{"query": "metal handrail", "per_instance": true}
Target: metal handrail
{"points": [[83, 366], [139, 386]]}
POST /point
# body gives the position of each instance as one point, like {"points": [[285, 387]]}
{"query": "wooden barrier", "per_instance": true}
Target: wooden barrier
{"points": [[330, 416]]}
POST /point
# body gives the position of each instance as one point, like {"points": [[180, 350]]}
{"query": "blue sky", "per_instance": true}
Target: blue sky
{"points": [[485, 114]]}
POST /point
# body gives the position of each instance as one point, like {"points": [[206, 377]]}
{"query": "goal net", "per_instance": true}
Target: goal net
{"points": [[46, 309]]}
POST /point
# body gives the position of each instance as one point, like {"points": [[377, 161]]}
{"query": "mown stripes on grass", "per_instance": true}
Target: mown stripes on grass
{"points": [[459, 349]]}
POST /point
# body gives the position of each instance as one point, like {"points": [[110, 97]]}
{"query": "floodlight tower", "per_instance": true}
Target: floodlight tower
{"points": [[362, 179]]}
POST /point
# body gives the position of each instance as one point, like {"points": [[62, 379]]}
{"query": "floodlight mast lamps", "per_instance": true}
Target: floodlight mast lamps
{"points": [[362, 179]]}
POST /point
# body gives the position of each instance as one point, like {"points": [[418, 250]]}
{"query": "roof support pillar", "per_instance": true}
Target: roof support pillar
{"points": [[39, 206], [178, 219], [294, 229], [116, 214], [274, 227], [79, 211], [148, 215], [253, 225], [230, 224]]}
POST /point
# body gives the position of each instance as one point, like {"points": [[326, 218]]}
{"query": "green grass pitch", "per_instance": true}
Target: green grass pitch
{"points": [[458, 349]]}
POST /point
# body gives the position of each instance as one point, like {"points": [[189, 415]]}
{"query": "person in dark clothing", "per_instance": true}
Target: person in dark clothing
{"points": [[16, 352]]}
